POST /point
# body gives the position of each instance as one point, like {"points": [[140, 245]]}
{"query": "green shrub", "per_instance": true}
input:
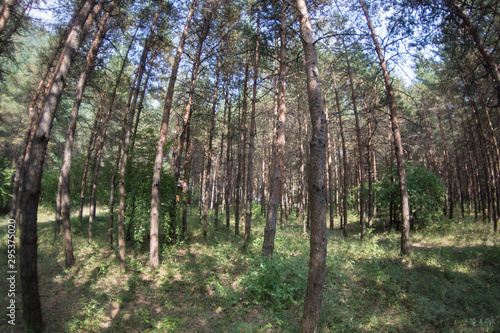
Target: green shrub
{"points": [[138, 188], [277, 282], [426, 192]]}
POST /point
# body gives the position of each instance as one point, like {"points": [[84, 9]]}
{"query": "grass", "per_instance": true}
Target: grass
{"points": [[450, 283]]}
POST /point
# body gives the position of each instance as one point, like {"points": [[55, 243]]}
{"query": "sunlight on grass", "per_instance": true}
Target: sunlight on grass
{"points": [[451, 281]]}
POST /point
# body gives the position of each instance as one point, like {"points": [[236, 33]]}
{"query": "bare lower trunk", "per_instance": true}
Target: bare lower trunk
{"points": [[362, 220], [240, 176], [317, 180], [227, 191], [344, 161], [64, 177], [277, 170], [154, 260], [209, 153], [405, 209], [32, 173], [251, 147]]}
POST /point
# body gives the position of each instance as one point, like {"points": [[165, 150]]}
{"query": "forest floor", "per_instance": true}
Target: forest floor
{"points": [[450, 282]]}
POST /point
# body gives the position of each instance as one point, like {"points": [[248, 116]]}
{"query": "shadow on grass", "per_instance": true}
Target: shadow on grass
{"points": [[441, 289]]}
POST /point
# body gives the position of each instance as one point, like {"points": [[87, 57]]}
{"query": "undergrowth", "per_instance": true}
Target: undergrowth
{"points": [[450, 283]]}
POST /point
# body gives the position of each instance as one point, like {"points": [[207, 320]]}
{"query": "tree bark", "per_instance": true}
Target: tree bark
{"points": [[154, 260], [277, 170], [240, 175], [126, 144], [65, 174], [329, 166], [362, 220], [208, 166], [405, 208], [317, 180], [227, 192], [449, 174], [251, 147], [32, 173], [344, 159]]}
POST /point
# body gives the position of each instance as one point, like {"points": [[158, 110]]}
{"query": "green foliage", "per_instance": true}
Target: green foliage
{"points": [[426, 191], [6, 173], [138, 187], [50, 178], [277, 282]]}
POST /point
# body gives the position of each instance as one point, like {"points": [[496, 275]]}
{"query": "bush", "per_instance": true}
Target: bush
{"points": [[276, 282], [426, 192], [138, 187]]}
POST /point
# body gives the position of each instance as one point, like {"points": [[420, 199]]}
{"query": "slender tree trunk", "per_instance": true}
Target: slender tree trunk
{"points": [[457, 164], [344, 160], [86, 164], [126, 145], [329, 164], [317, 180], [154, 260], [277, 171], [65, 174], [117, 166], [227, 192], [240, 181], [219, 166], [362, 220], [208, 165], [251, 147], [449, 174], [187, 177], [405, 208], [301, 176], [371, 157], [32, 173]]}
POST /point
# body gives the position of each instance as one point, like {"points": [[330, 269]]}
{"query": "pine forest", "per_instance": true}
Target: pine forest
{"points": [[249, 166]]}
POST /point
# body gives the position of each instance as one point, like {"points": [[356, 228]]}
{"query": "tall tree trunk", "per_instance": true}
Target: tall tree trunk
{"points": [[251, 147], [101, 139], [126, 143], [32, 173], [208, 165], [457, 165], [329, 165], [86, 164], [344, 159], [117, 165], [317, 180], [240, 181], [362, 220], [301, 176], [405, 208], [370, 165], [227, 192], [65, 174], [154, 260], [449, 174], [187, 177], [219, 165], [276, 172]]}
